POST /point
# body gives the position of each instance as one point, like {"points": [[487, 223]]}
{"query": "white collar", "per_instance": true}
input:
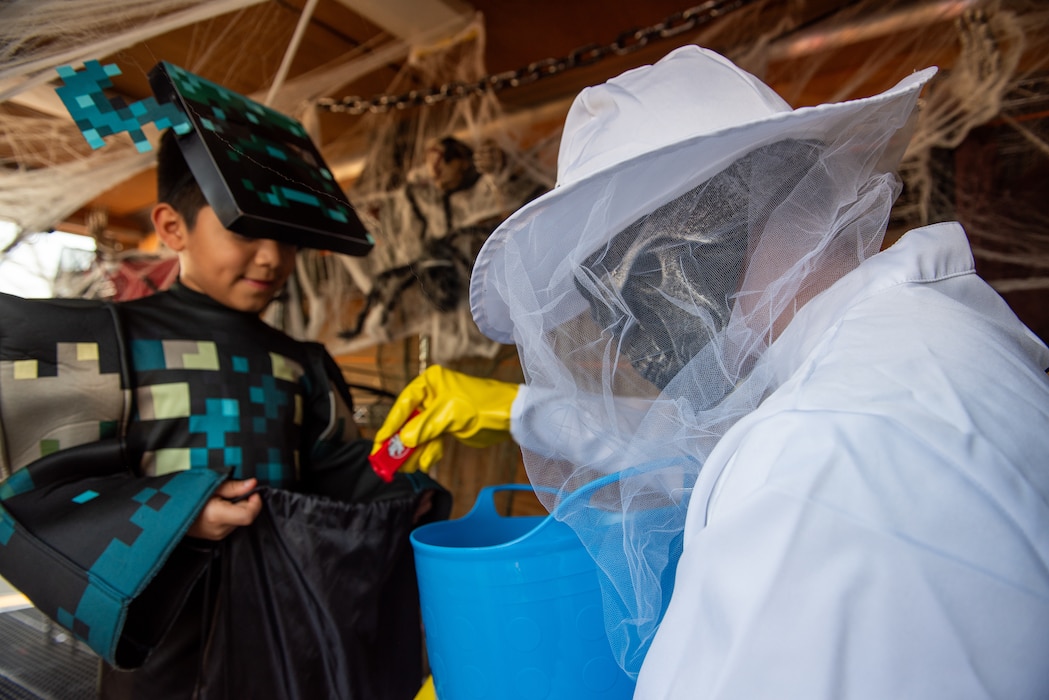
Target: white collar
{"points": [[922, 255]]}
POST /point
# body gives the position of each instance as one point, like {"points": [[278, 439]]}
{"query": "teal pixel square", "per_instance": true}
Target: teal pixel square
{"points": [[147, 355], [144, 495]]}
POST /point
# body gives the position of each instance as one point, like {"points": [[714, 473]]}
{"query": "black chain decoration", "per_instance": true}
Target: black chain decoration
{"points": [[626, 43]]}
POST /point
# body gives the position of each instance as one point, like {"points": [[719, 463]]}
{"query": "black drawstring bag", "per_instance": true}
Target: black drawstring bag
{"points": [[318, 599]]}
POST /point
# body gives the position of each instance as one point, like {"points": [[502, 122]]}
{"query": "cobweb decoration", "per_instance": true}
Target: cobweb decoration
{"points": [[436, 182], [982, 156], [47, 169], [35, 200], [980, 153]]}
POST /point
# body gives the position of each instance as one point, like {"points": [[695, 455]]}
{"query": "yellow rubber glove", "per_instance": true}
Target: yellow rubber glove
{"points": [[427, 692], [475, 411]]}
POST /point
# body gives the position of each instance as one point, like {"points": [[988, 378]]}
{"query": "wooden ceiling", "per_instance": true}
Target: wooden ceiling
{"points": [[245, 50]]}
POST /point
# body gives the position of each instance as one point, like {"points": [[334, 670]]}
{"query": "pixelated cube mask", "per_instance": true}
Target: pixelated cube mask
{"points": [[258, 168]]}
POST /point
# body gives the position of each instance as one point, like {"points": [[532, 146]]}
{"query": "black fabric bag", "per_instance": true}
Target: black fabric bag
{"points": [[318, 599]]}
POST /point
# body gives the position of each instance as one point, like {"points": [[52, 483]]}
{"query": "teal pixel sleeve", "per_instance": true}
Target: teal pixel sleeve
{"points": [[82, 534]]}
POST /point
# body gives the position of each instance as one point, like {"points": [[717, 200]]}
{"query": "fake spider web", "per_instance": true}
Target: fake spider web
{"points": [[47, 169], [435, 184], [980, 150], [980, 155]]}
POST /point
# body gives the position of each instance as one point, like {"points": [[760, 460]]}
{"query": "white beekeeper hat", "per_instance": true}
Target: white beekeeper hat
{"points": [[658, 131]]}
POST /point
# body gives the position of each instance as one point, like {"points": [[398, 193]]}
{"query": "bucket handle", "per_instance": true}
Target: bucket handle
{"points": [[484, 506]]}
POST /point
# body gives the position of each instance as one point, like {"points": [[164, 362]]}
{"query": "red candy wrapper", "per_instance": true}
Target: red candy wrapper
{"points": [[391, 455]]}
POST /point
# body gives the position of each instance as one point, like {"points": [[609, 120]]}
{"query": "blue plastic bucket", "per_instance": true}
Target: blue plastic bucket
{"points": [[512, 609]]}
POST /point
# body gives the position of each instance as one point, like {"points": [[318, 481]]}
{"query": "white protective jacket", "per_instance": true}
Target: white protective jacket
{"points": [[879, 526]]}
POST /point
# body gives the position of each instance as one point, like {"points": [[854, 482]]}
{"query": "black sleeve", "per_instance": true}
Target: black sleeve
{"points": [[82, 533], [337, 465]]}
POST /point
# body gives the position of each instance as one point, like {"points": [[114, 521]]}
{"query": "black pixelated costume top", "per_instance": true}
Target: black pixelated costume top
{"points": [[120, 420]]}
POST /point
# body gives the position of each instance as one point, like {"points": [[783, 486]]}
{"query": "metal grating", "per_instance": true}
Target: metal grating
{"points": [[41, 661]]}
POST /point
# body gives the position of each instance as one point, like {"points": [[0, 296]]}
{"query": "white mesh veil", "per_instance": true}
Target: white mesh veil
{"points": [[643, 297]]}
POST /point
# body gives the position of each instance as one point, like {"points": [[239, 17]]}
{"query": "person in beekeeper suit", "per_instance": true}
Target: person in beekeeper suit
{"points": [[834, 461]]}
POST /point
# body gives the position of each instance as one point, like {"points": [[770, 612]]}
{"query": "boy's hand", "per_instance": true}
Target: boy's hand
{"points": [[221, 515]]}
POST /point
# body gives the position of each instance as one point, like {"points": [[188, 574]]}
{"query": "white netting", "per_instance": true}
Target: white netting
{"points": [[643, 341], [642, 334]]}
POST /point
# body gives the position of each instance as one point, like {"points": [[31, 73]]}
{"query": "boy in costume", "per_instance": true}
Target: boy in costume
{"points": [[833, 463], [186, 489]]}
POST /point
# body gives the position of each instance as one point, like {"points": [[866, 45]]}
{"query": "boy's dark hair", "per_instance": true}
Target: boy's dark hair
{"points": [[175, 182]]}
